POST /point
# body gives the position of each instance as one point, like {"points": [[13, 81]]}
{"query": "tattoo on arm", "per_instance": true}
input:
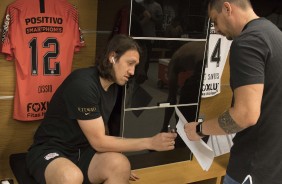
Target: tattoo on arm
{"points": [[228, 124]]}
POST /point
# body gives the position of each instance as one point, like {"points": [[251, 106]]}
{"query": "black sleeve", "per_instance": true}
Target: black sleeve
{"points": [[82, 100], [247, 61]]}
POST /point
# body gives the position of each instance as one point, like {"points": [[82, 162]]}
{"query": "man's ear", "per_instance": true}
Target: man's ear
{"points": [[226, 8], [113, 60], [112, 57]]}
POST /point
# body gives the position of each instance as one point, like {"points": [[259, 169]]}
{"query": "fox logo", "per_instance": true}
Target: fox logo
{"points": [[36, 107]]}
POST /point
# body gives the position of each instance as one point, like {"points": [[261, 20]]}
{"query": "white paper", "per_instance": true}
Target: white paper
{"points": [[202, 152], [221, 144]]}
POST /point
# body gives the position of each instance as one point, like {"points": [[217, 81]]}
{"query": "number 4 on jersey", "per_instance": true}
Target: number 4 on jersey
{"points": [[215, 56]]}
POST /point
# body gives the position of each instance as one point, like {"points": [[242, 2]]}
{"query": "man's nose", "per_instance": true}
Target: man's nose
{"points": [[131, 70]]}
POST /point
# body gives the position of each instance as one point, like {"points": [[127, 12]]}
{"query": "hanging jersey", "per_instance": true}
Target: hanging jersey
{"points": [[41, 36]]}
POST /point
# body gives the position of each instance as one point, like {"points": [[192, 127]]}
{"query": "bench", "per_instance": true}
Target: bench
{"points": [[175, 173], [183, 173], [18, 166]]}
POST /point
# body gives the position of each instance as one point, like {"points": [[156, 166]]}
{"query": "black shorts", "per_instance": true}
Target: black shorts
{"points": [[40, 156]]}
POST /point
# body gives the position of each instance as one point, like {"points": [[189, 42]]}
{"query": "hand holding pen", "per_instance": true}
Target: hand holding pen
{"points": [[171, 130]]}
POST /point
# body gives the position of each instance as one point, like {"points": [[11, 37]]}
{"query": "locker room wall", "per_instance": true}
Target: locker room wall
{"points": [[16, 136], [213, 106]]}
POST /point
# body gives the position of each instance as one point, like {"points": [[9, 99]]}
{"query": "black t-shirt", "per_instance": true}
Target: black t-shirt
{"points": [[80, 97], [256, 58]]}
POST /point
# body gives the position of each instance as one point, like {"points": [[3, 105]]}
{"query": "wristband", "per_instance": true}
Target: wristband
{"points": [[199, 130]]}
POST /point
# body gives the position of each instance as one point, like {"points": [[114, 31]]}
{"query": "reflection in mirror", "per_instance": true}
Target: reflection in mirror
{"points": [[169, 73], [174, 77], [172, 74], [185, 79], [147, 123], [169, 18]]}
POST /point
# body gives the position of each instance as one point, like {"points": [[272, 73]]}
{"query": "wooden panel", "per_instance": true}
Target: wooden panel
{"points": [[8, 78], [213, 106], [86, 56], [182, 172], [16, 136], [87, 14], [74, 2], [226, 73], [4, 4]]}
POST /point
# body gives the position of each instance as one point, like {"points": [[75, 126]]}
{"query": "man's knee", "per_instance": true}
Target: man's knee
{"points": [[71, 176], [63, 171], [119, 162], [110, 167], [113, 162]]}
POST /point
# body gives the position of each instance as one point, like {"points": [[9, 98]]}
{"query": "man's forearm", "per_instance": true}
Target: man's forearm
{"points": [[227, 123]]}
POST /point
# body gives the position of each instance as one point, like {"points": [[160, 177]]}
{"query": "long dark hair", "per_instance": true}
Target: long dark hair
{"points": [[119, 44]]}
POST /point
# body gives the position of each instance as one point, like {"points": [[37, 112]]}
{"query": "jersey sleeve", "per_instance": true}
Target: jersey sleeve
{"points": [[8, 26], [79, 39], [82, 100], [80, 42]]}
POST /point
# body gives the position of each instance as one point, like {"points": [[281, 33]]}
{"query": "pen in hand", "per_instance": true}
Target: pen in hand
{"points": [[171, 130]]}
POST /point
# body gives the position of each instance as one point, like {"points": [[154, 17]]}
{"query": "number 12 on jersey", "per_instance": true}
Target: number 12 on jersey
{"points": [[45, 58]]}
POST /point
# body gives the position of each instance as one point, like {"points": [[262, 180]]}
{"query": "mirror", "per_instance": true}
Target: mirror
{"points": [[147, 124], [169, 74], [169, 18]]}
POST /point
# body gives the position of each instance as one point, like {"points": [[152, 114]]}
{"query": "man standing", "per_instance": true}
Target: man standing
{"points": [[255, 78]]}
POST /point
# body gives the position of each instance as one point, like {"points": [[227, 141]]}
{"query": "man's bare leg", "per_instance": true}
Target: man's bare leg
{"points": [[63, 171], [109, 168]]}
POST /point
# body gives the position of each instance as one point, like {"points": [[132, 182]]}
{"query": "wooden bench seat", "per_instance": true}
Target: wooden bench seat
{"points": [[175, 173], [183, 172], [18, 166]]}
